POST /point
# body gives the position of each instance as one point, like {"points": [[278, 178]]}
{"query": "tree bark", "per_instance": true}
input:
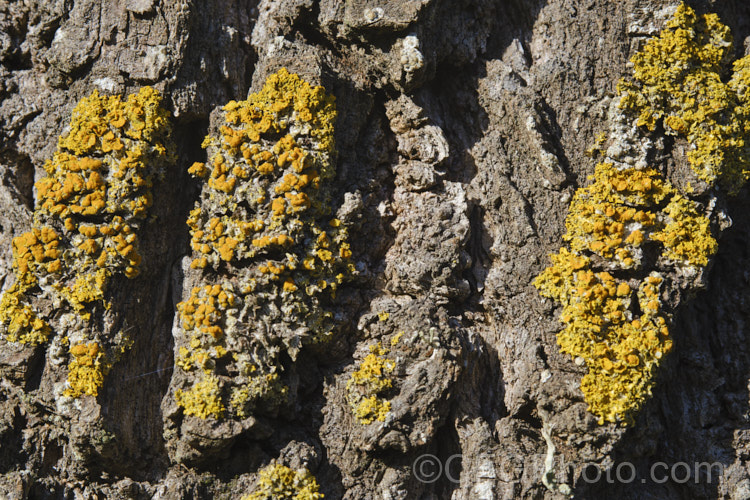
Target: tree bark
{"points": [[461, 137]]}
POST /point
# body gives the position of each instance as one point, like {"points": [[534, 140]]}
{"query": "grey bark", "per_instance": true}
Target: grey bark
{"points": [[458, 154]]}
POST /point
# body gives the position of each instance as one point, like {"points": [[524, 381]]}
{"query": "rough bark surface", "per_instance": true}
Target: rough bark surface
{"points": [[461, 137]]}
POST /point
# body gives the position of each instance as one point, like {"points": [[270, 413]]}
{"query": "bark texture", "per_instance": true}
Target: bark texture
{"points": [[461, 136]]}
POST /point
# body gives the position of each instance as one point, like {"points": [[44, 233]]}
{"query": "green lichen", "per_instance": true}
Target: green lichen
{"points": [[264, 219], [679, 84], [278, 482], [90, 205], [368, 384]]}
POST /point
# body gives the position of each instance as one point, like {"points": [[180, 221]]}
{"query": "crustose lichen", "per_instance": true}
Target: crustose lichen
{"points": [[615, 322], [368, 384]]}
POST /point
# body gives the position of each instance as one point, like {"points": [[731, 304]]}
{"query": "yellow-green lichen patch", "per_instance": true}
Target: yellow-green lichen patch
{"points": [[21, 322], [678, 83], [686, 235], [279, 482], [87, 370], [264, 220], [86, 289], [259, 389], [90, 206], [367, 385], [616, 324], [203, 400]]}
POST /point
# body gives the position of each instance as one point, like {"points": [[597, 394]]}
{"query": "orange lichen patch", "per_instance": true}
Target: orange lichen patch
{"points": [[298, 201], [617, 326], [264, 198], [612, 218], [617, 214], [620, 350], [118, 183], [223, 182], [35, 248], [277, 240], [90, 205], [678, 82], [225, 238], [207, 308], [87, 370], [289, 285], [198, 170], [287, 94], [278, 206]]}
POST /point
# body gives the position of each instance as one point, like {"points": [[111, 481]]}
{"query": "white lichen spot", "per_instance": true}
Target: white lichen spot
{"points": [[140, 6], [411, 57], [373, 15], [107, 84], [155, 61], [276, 45], [627, 147]]}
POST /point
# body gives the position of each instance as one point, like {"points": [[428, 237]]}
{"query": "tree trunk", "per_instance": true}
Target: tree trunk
{"points": [[461, 138]]}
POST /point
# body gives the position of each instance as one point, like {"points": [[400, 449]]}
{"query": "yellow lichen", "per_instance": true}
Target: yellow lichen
{"points": [[368, 383], [266, 388], [677, 83], [264, 219], [396, 339], [686, 236], [206, 309], [86, 289], [613, 315], [89, 208], [621, 344], [21, 322], [203, 400], [278, 482], [87, 370]]}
